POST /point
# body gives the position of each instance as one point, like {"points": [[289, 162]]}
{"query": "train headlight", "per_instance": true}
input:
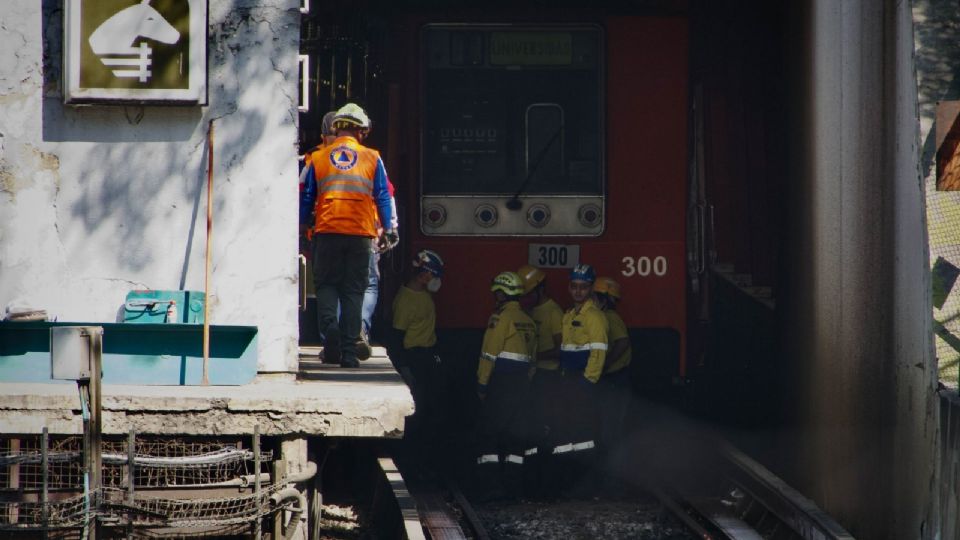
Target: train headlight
{"points": [[590, 215], [485, 215], [538, 215], [435, 215]]}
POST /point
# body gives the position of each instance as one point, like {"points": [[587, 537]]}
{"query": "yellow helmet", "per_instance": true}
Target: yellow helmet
{"points": [[607, 286], [508, 282], [531, 277]]}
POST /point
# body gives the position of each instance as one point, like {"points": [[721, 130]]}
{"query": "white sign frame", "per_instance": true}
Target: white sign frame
{"points": [[303, 103], [195, 93]]}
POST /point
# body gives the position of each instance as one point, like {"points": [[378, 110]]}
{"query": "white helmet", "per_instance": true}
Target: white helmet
{"points": [[351, 115]]}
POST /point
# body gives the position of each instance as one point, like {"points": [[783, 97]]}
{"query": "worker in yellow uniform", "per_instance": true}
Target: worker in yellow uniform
{"points": [[546, 387], [583, 354], [507, 361], [615, 383], [413, 345]]}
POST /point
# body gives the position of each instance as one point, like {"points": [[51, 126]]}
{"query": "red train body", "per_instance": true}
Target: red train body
{"points": [[643, 243], [632, 165]]}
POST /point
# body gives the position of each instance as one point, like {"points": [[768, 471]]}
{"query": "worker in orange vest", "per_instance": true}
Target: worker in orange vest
{"points": [[346, 186]]}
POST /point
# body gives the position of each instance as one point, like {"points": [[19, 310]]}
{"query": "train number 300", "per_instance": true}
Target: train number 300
{"points": [[552, 256], [644, 266]]}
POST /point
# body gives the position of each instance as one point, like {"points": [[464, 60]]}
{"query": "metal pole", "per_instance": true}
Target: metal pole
{"points": [[13, 481], [257, 532], [45, 479], [95, 456], [206, 263], [131, 477], [84, 387]]}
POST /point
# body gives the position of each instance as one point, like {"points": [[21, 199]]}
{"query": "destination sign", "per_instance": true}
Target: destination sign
{"points": [[531, 48]]}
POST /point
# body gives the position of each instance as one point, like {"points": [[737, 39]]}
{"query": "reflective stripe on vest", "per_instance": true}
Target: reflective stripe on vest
{"points": [[573, 447]]}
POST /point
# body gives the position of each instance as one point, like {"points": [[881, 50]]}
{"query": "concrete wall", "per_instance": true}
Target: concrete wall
{"points": [[856, 307], [98, 200]]}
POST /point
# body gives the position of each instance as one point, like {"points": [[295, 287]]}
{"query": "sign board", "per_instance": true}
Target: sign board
{"points": [[531, 48], [553, 255], [135, 51]]}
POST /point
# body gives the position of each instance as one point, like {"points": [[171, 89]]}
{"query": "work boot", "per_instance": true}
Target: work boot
{"points": [[363, 346], [331, 346], [349, 362]]}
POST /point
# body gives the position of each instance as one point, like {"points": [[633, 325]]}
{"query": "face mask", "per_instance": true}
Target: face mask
{"points": [[528, 302], [433, 285]]}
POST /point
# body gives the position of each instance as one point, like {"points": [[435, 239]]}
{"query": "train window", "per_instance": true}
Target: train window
{"points": [[512, 118], [495, 98], [543, 154]]}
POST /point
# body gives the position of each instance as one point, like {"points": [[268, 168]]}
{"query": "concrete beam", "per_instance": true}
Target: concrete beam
{"points": [[368, 402]]}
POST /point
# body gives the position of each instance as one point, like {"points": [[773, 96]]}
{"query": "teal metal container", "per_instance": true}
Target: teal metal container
{"points": [[148, 354]]}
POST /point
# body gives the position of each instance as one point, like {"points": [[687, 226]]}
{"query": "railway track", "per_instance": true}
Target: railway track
{"points": [[742, 500], [429, 510], [736, 498]]}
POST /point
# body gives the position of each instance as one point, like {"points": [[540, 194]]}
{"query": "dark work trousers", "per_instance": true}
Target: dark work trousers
{"points": [[547, 421], [427, 388], [614, 402], [579, 409], [504, 414], [547, 389], [340, 271]]}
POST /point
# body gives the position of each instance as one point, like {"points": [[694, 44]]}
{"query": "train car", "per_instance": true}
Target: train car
{"points": [[548, 140]]}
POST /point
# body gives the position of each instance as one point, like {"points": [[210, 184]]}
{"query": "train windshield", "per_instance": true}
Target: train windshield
{"points": [[510, 109]]}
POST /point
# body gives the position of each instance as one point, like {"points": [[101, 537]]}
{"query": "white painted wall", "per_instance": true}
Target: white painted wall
{"points": [[96, 201]]}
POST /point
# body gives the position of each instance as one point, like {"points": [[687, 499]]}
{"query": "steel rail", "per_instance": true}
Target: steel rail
{"points": [[753, 503], [473, 520], [407, 505], [802, 515]]}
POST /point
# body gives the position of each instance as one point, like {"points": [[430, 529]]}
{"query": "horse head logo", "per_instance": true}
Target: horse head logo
{"points": [[118, 34]]}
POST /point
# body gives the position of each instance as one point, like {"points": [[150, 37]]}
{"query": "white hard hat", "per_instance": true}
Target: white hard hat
{"points": [[351, 115]]}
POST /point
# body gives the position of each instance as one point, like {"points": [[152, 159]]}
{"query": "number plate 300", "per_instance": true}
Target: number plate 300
{"points": [[553, 255]]}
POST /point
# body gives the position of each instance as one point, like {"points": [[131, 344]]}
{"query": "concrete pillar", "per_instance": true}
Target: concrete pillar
{"points": [[293, 463], [856, 308]]}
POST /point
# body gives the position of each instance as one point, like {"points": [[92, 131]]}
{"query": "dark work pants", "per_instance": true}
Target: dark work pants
{"points": [[547, 388], [426, 388], [504, 414], [614, 402], [580, 408], [340, 272]]}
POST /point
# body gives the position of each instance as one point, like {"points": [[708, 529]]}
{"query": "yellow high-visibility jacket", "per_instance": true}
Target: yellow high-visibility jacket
{"points": [[584, 346], [509, 344], [549, 319], [618, 330]]}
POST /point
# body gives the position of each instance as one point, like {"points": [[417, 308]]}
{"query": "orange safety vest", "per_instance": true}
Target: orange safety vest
{"points": [[345, 172]]}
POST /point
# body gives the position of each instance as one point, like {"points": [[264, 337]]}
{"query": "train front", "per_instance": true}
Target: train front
{"points": [[553, 145]]}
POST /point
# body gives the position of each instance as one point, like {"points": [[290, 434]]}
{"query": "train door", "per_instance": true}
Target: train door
{"points": [[340, 62]]}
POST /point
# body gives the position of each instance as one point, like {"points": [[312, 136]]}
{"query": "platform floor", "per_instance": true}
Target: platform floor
{"points": [[369, 401]]}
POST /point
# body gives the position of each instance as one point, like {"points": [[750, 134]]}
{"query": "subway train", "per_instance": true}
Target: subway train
{"points": [[516, 140]]}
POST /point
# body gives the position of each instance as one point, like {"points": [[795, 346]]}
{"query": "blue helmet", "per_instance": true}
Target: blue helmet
{"points": [[583, 272], [429, 261]]}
